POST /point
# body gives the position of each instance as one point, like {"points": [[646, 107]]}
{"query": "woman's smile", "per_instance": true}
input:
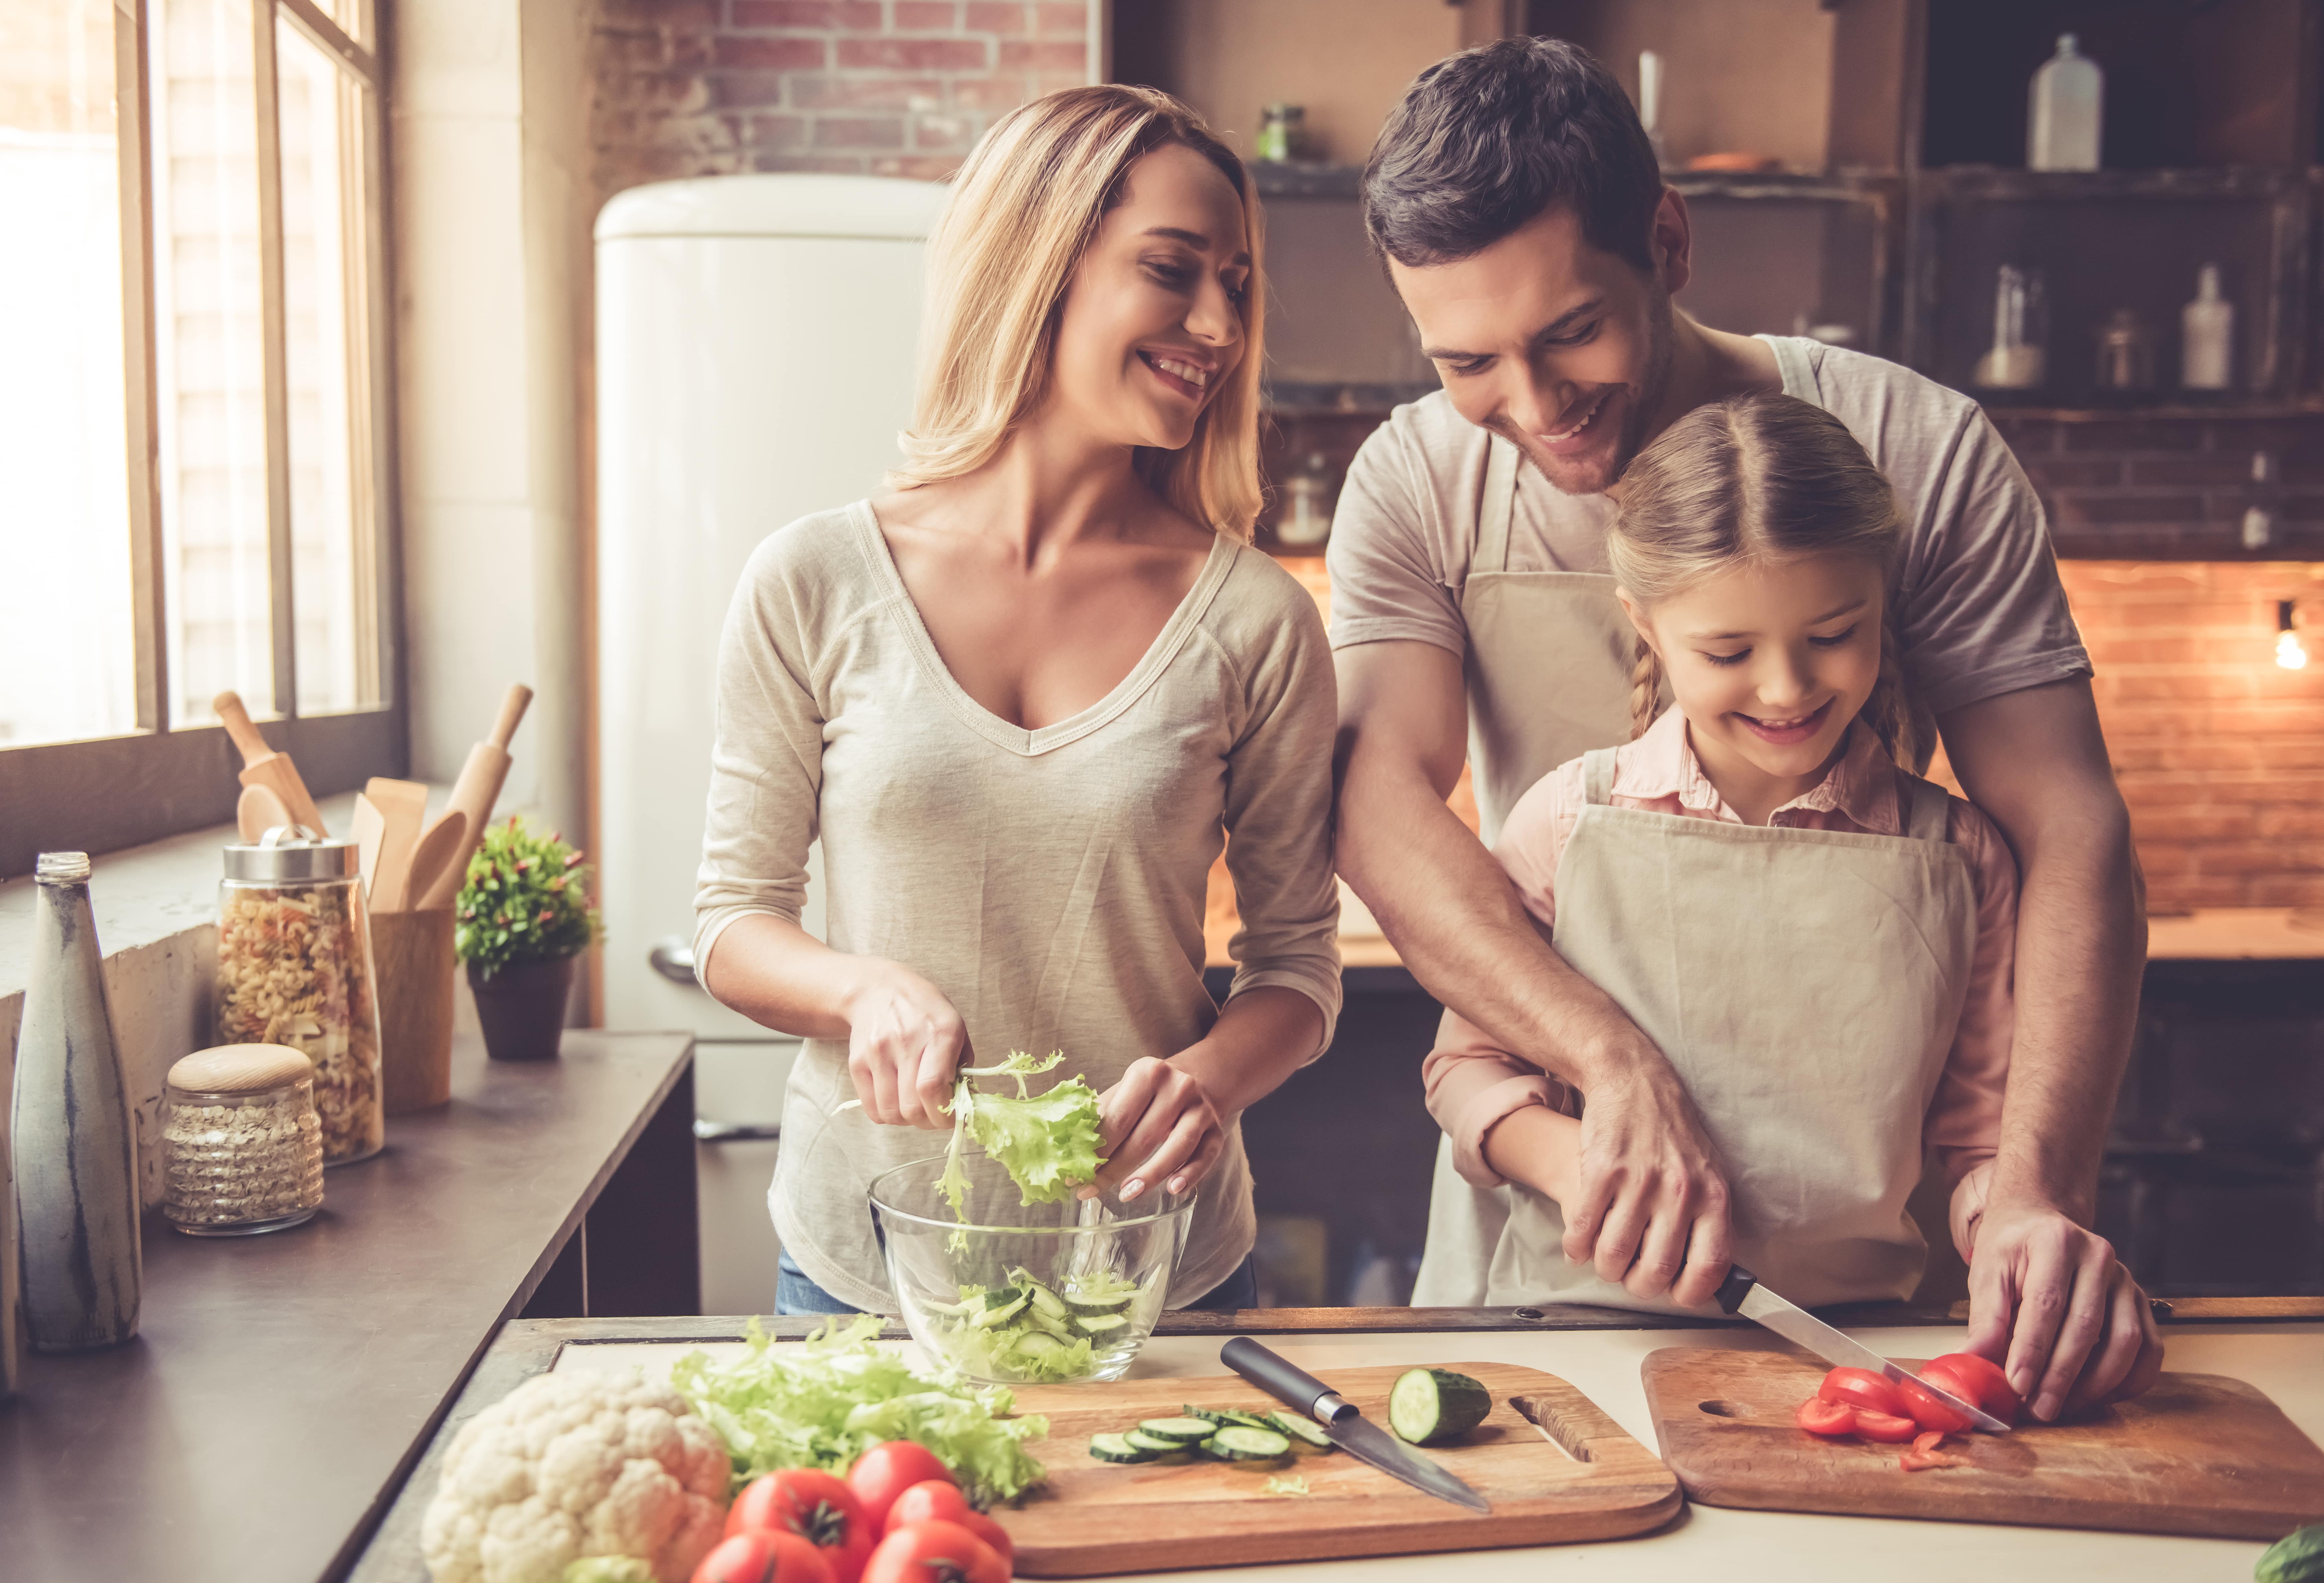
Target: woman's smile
{"points": [[1178, 373]]}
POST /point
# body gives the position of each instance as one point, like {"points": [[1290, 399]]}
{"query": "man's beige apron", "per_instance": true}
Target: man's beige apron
{"points": [[1806, 985], [1548, 678]]}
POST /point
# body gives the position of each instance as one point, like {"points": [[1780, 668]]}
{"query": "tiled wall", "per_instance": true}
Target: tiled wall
{"points": [[881, 88]]}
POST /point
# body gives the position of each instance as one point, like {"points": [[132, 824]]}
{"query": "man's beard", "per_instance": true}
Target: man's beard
{"points": [[1645, 401]]}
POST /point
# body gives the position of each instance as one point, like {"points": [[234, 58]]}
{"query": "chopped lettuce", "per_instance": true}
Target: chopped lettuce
{"points": [[824, 1401], [1048, 1143]]}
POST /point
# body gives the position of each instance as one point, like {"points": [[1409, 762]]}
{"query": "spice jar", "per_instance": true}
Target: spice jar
{"points": [[242, 1146], [295, 968]]}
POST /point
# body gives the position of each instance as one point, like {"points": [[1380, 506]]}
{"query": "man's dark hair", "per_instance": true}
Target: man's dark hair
{"points": [[1485, 140]]}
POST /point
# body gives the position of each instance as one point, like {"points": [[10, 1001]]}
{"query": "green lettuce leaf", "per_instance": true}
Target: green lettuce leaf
{"points": [[1048, 1143]]}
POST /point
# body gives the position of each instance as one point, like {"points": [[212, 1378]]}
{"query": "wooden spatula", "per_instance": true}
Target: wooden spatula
{"points": [[263, 766], [257, 811], [446, 841], [370, 829], [475, 792], [403, 808]]}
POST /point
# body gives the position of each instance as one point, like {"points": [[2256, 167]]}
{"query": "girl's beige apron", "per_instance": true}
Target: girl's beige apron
{"points": [[1548, 679]]}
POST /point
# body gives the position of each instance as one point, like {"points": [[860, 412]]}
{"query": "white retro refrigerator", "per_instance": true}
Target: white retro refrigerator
{"points": [[756, 337]]}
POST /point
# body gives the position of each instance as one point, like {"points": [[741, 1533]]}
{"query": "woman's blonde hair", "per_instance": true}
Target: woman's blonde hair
{"points": [[1023, 211], [1763, 479]]}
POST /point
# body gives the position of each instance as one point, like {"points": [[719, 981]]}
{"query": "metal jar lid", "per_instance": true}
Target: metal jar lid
{"points": [[288, 855]]}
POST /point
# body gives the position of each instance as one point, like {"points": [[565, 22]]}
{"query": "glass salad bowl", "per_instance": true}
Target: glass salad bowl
{"points": [[1015, 1294]]}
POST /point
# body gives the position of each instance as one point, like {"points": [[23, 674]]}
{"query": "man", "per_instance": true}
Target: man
{"points": [[1526, 226]]}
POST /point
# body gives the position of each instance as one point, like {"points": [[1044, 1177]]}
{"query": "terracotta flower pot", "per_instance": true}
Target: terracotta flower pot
{"points": [[522, 1007]]}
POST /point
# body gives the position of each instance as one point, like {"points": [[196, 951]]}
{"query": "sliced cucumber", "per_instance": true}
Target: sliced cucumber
{"points": [[1302, 1427], [1428, 1406], [1161, 1445], [1099, 1324], [949, 1309], [1208, 1414], [1238, 1444], [1047, 1301], [999, 1308], [1233, 1418], [1104, 1292], [1037, 1347], [1178, 1430], [1114, 1448]]}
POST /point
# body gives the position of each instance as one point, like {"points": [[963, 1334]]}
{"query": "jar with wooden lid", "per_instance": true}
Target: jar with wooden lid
{"points": [[295, 968], [242, 1145]]}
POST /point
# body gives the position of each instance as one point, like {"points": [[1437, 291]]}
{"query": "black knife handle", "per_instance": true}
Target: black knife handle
{"points": [[1733, 1290], [1280, 1378]]}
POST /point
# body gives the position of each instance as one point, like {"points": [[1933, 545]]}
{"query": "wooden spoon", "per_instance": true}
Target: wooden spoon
{"points": [[263, 766], [447, 840], [402, 807], [257, 811]]}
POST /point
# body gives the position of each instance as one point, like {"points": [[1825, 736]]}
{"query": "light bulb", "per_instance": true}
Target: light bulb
{"points": [[2289, 654]]}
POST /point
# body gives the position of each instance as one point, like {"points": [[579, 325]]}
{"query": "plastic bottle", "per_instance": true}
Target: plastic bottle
{"points": [[2206, 335], [2067, 109], [1306, 519], [75, 1155]]}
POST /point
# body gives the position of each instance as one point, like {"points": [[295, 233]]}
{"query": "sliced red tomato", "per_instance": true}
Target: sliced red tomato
{"points": [[937, 1501], [763, 1556], [817, 1507], [1860, 1387], [1929, 1441], [1927, 1411], [1917, 1460], [886, 1471], [1818, 1416], [1989, 1387], [1885, 1427], [934, 1552]]}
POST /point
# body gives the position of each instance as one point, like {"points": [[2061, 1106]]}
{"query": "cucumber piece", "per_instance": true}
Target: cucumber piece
{"points": [[949, 1309], [1208, 1414], [1045, 1302], [2297, 1557], [997, 1314], [1428, 1406], [1303, 1428], [1238, 1444], [1114, 1448], [1103, 1293], [1099, 1324], [1037, 1347], [1161, 1445], [1178, 1430], [1002, 1296], [1233, 1418]]}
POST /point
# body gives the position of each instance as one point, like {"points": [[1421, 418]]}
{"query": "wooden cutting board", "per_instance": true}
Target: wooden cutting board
{"points": [[1092, 1518], [2199, 1454]]}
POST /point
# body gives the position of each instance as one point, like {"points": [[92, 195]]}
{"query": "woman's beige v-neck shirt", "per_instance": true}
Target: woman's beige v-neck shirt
{"points": [[1050, 882]]}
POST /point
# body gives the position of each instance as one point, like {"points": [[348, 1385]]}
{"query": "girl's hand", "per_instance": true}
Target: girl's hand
{"points": [[905, 1043], [1157, 1124]]}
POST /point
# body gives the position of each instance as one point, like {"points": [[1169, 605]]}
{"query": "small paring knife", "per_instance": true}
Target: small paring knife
{"points": [[1349, 1430], [1741, 1294]]}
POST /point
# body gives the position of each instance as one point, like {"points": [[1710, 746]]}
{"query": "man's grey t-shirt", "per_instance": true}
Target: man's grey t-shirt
{"points": [[1982, 610]]}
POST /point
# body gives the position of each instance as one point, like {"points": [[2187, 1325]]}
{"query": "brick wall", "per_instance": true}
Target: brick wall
{"points": [[2172, 488], [881, 88]]}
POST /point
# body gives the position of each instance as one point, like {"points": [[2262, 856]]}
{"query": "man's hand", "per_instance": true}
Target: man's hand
{"points": [[1652, 1208], [2050, 1300]]}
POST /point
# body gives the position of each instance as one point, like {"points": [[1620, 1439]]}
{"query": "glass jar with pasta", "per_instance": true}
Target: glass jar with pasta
{"points": [[295, 970]]}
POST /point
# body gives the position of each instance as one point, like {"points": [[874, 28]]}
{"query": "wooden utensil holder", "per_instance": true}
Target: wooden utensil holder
{"points": [[412, 955]]}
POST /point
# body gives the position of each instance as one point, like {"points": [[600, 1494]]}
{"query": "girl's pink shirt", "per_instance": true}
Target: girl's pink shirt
{"points": [[1472, 1083]]}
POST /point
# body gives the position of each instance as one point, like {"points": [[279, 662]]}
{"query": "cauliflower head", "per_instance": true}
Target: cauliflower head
{"points": [[567, 1467]]}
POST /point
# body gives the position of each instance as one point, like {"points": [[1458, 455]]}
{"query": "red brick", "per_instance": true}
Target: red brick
{"points": [[2184, 896], [1043, 56], [862, 15], [2117, 435], [991, 16], [776, 132], [2049, 473], [2104, 509], [2155, 828], [1056, 19], [2026, 437], [661, 13], [917, 167], [2300, 890], [2288, 821], [957, 133], [745, 90], [926, 17], [1051, 82], [630, 47], [866, 93], [771, 54], [914, 54], [859, 131], [2191, 470], [990, 93], [2263, 857]]}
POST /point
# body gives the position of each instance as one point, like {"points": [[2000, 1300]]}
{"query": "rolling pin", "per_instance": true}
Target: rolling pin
{"points": [[263, 766], [475, 793]]}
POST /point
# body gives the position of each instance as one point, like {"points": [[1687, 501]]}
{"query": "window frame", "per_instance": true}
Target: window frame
{"points": [[102, 793]]}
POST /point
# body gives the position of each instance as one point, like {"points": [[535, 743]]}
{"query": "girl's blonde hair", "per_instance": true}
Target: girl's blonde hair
{"points": [[1022, 212], [1761, 479]]}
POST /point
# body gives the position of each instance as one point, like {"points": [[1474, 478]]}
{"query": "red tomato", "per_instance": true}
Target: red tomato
{"points": [[763, 1556], [816, 1506], [1926, 1409], [1818, 1416], [1988, 1387], [1916, 1460], [1884, 1426], [935, 1552], [1860, 1387], [886, 1471], [936, 1501], [1929, 1441]]}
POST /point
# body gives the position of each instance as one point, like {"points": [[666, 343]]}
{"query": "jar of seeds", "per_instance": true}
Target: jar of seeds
{"points": [[242, 1146], [295, 970]]}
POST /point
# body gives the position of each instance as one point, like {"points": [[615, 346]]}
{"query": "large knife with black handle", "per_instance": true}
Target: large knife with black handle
{"points": [[1741, 1294], [1349, 1430]]}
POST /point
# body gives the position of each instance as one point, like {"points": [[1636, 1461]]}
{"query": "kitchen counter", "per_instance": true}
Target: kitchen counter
{"points": [[282, 1385], [1600, 1355]]}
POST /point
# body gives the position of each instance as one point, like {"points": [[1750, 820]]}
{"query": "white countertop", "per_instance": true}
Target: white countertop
{"points": [[2284, 1360]]}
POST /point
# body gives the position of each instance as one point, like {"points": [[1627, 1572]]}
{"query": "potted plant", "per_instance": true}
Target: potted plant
{"points": [[523, 916]]}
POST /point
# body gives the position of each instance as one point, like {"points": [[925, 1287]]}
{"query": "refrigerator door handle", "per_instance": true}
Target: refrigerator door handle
{"points": [[673, 959], [719, 1132]]}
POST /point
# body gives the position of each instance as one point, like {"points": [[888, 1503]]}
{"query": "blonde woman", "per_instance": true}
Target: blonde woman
{"points": [[1821, 940], [1023, 697]]}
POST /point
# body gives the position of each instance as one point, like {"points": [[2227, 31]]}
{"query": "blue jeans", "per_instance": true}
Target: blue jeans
{"points": [[795, 1294]]}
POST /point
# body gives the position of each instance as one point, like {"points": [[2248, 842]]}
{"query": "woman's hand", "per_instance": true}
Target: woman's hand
{"points": [[905, 1043], [1159, 1124]]}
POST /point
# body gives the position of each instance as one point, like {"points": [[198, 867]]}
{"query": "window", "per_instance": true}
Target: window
{"points": [[194, 461]]}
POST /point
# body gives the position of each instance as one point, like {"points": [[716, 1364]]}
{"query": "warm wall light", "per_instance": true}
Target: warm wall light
{"points": [[2289, 654]]}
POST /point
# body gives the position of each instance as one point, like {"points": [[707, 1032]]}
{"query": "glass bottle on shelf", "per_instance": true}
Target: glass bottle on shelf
{"points": [[2021, 333], [2067, 106], [2125, 354], [2206, 335], [1282, 134], [1306, 519]]}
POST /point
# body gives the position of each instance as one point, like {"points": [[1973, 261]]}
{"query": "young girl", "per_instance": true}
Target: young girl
{"points": [[1818, 940]]}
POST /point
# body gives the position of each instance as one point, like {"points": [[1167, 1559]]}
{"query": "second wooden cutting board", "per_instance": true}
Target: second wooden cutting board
{"points": [[2199, 1454], [1092, 1518]]}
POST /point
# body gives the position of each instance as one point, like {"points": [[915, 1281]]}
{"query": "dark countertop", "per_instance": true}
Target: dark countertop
{"points": [[282, 1385]]}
